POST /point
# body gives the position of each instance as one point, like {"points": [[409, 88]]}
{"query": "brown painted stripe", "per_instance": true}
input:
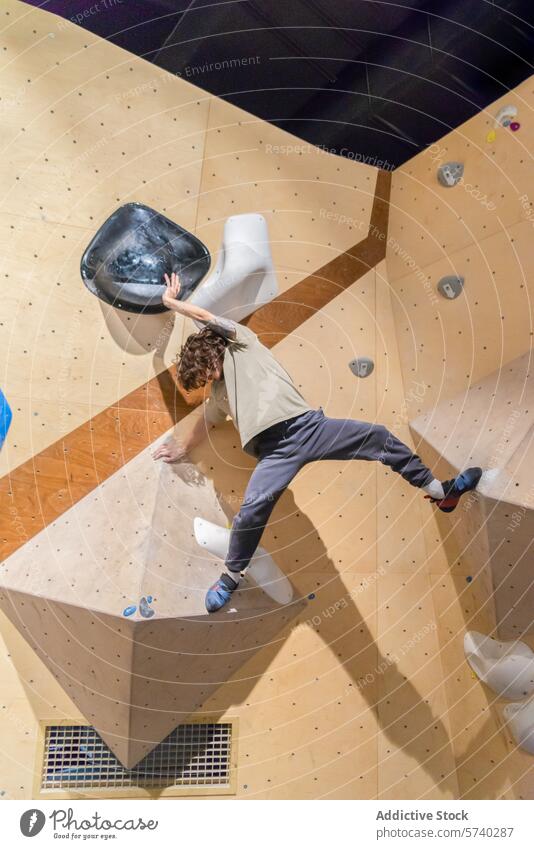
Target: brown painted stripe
{"points": [[35, 493], [284, 314]]}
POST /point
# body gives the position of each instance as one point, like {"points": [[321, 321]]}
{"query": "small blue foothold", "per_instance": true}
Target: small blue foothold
{"points": [[149, 599], [469, 579], [144, 609], [129, 610], [311, 596], [5, 417]]}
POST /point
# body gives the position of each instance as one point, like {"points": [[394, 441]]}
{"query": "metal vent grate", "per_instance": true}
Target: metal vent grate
{"points": [[194, 755]]}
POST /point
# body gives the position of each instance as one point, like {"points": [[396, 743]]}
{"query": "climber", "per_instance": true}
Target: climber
{"points": [[278, 427]]}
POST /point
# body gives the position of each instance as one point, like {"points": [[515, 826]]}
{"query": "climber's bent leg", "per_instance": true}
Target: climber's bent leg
{"points": [[268, 481]]}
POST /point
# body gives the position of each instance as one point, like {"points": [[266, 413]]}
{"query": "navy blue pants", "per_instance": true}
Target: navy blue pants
{"points": [[284, 448]]}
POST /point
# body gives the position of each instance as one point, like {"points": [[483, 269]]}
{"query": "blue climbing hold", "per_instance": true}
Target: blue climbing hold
{"points": [[311, 596], [469, 579], [129, 610], [5, 417], [149, 599]]}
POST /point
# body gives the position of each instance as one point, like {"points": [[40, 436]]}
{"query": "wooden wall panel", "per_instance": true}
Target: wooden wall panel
{"points": [[322, 712], [86, 128]]}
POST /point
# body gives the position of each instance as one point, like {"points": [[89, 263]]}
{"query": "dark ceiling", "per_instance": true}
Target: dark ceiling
{"points": [[364, 78]]}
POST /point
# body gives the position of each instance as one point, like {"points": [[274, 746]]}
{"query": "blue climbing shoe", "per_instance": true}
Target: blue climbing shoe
{"points": [[220, 593], [455, 488]]}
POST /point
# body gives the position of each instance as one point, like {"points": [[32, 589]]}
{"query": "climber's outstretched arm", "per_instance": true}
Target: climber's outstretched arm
{"points": [[170, 300]]}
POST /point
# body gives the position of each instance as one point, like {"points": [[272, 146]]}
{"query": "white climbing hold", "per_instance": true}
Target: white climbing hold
{"points": [[263, 571], [508, 668], [489, 475], [488, 478], [520, 721], [244, 277]]}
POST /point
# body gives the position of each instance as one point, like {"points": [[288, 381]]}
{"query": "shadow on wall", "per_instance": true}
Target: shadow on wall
{"points": [[405, 718], [487, 767], [139, 334]]}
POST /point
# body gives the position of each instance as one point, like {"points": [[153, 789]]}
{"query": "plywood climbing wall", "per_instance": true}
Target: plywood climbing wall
{"points": [[135, 677], [466, 365], [366, 694], [88, 127]]}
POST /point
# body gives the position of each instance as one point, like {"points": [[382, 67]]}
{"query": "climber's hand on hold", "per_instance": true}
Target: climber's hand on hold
{"points": [[172, 291], [170, 300], [171, 451]]}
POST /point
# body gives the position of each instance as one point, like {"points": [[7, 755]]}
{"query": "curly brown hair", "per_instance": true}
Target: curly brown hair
{"points": [[199, 357]]}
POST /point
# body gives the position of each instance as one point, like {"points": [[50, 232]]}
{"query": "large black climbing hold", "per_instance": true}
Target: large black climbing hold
{"points": [[361, 366], [125, 262], [450, 287], [450, 173]]}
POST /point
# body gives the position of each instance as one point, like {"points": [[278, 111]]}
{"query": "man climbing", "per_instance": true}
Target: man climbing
{"points": [[278, 427]]}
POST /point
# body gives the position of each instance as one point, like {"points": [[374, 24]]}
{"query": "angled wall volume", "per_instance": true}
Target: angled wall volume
{"points": [[135, 678], [490, 425]]}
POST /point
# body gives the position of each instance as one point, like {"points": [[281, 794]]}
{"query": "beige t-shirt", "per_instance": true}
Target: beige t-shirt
{"points": [[255, 390]]}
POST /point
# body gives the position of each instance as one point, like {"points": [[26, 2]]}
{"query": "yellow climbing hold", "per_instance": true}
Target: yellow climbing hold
{"points": [[492, 135]]}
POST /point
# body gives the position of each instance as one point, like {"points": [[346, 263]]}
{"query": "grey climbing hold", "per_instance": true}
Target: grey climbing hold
{"points": [[450, 173], [361, 366], [505, 114], [144, 609], [451, 286]]}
